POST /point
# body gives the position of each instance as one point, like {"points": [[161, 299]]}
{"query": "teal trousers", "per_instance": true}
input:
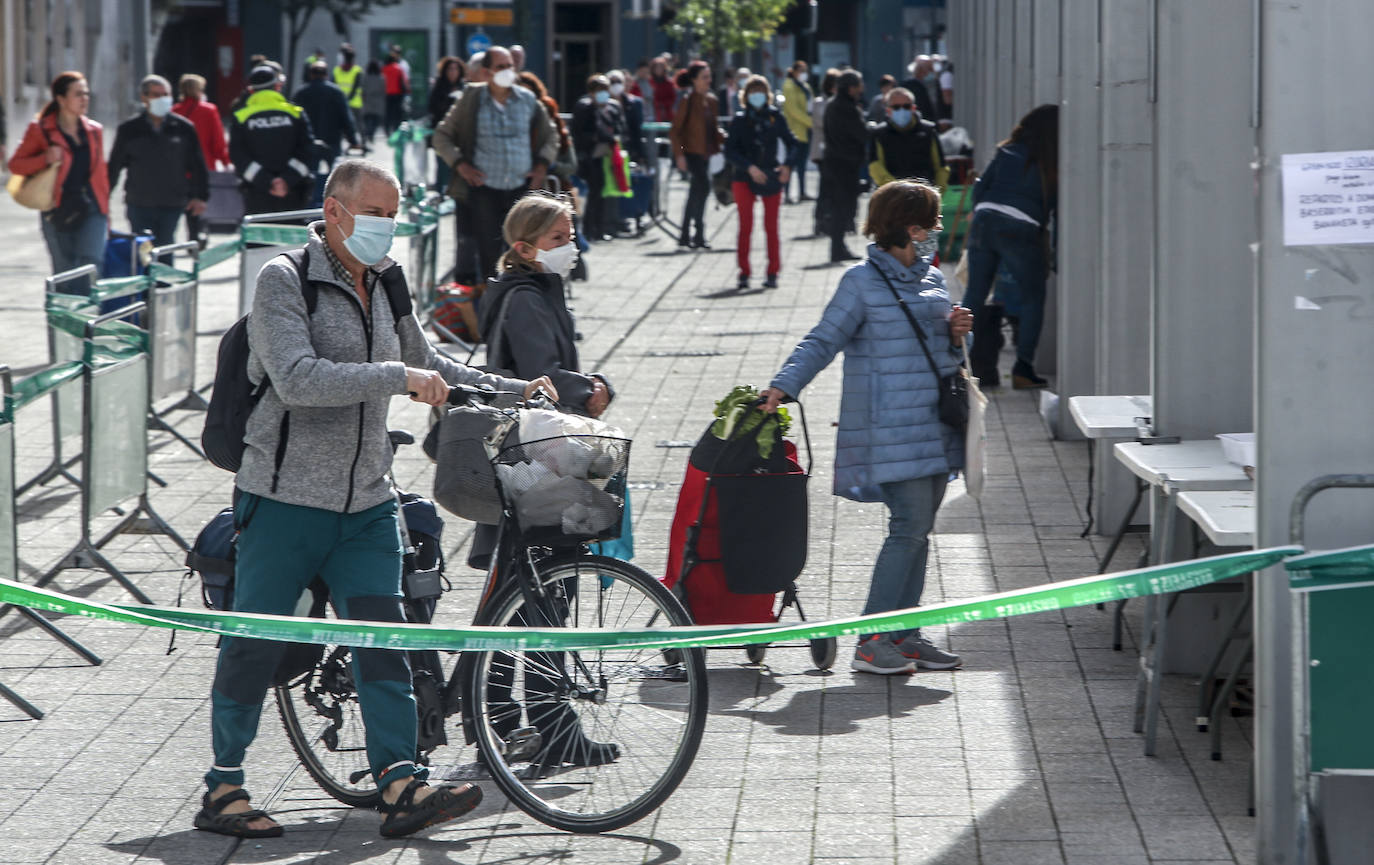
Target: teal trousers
{"points": [[281, 549]]}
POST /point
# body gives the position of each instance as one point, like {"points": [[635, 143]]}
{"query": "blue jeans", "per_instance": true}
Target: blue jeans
{"points": [[994, 239], [160, 222], [899, 575], [281, 548], [82, 245]]}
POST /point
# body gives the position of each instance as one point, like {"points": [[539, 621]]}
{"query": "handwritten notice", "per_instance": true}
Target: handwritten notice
{"points": [[1328, 198]]}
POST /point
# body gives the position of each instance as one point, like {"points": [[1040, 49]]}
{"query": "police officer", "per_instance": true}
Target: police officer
{"points": [[348, 75], [271, 146]]}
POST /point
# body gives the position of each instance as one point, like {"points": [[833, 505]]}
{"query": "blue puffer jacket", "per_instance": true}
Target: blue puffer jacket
{"points": [[889, 424]]}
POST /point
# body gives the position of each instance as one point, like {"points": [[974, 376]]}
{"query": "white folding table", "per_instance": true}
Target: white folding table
{"points": [[1110, 417], [1227, 518], [1168, 470]]}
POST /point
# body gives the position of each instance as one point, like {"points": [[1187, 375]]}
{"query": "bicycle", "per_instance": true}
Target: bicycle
{"points": [[584, 741]]}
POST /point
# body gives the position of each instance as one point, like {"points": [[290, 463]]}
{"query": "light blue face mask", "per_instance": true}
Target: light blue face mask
{"points": [[758, 99], [602, 97], [927, 248], [901, 117], [371, 237]]}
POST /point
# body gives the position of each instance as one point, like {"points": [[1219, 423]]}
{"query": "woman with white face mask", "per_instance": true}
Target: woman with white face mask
{"points": [[524, 313]]}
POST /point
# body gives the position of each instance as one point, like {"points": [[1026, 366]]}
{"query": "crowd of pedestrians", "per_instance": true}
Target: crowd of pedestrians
{"points": [[521, 176]]}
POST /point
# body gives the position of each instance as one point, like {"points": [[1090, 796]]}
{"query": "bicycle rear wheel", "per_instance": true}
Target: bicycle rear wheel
{"points": [[324, 722], [627, 709]]}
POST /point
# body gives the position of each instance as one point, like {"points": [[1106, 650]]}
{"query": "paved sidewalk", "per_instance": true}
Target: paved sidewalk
{"points": [[1025, 756]]}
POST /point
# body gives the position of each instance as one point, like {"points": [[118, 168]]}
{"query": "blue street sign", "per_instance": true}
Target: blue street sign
{"points": [[478, 42]]}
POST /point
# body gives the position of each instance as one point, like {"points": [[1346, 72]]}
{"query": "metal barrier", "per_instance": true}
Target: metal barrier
{"points": [[36, 385], [261, 238], [62, 346], [114, 439], [172, 302]]}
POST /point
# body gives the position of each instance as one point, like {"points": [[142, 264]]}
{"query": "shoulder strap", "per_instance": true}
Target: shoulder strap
{"points": [[495, 339], [300, 259], [915, 325]]}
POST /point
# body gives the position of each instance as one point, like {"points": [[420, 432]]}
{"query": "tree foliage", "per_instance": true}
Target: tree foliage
{"points": [[719, 26], [299, 13]]}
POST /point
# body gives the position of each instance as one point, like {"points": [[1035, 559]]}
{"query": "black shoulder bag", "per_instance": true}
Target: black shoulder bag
{"points": [[954, 387]]}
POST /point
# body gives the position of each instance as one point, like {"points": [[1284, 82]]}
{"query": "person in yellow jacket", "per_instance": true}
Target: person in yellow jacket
{"points": [[349, 76], [796, 109]]}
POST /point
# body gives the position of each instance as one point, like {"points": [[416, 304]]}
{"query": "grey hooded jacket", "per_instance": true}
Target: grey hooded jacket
{"points": [[332, 376]]}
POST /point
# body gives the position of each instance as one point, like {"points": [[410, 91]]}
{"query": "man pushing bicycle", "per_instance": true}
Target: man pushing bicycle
{"points": [[313, 498]]}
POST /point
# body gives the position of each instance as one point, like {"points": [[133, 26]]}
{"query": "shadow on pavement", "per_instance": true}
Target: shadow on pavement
{"points": [[193, 847], [844, 707]]}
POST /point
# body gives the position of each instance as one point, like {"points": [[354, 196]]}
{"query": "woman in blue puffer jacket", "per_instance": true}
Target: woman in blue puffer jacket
{"points": [[892, 447]]}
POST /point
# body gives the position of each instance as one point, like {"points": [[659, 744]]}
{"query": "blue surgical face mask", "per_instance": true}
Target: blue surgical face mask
{"points": [[160, 106], [602, 97], [758, 99], [901, 117], [371, 237], [927, 248]]}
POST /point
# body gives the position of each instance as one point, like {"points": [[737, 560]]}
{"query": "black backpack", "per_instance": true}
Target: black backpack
{"points": [[235, 396]]}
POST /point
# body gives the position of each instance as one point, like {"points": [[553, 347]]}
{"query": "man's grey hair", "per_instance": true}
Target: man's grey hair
{"points": [[615, 75], [347, 178], [478, 59], [149, 80]]}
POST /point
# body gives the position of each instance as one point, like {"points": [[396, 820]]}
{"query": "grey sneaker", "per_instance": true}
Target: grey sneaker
{"points": [[926, 654], [879, 655]]}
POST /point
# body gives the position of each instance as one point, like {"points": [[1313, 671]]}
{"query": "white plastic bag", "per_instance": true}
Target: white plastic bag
{"points": [[975, 436]]}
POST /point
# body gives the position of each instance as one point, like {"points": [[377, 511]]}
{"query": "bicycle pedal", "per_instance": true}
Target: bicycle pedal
{"points": [[522, 744]]}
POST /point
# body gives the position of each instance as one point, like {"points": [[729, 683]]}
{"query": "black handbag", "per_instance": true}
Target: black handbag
{"points": [[953, 404]]}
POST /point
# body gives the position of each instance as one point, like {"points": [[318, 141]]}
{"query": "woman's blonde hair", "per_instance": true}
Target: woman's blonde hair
{"points": [[531, 218]]}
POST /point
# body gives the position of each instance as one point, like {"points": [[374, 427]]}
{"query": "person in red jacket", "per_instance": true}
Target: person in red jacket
{"points": [[209, 130], [664, 90], [205, 117], [397, 86], [77, 226]]}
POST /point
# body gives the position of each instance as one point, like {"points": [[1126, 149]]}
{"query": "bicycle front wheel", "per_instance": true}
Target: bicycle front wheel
{"points": [[588, 741]]}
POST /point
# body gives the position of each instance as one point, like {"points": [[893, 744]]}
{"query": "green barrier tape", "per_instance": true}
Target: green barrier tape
{"points": [[1331, 569], [1173, 577], [166, 273], [216, 254], [73, 321], [31, 387], [281, 235], [123, 286]]}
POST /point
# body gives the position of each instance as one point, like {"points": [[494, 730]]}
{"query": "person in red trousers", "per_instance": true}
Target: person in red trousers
{"points": [[760, 172]]}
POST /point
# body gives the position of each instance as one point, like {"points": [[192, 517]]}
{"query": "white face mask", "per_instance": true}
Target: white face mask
{"points": [[617, 88], [160, 106], [559, 260], [505, 78], [802, 76]]}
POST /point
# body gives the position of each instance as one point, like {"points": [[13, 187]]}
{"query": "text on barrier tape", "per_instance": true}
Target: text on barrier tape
{"points": [[1160, 579]]}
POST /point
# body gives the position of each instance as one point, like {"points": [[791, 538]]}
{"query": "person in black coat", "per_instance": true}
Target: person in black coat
{"points": [[846, 147], [330, 117], [524, 310], [751, 148], [597, 128], [632, 107]]}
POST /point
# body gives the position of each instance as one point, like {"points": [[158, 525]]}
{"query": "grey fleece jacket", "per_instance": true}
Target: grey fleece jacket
{"points": [[332, 376]]}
